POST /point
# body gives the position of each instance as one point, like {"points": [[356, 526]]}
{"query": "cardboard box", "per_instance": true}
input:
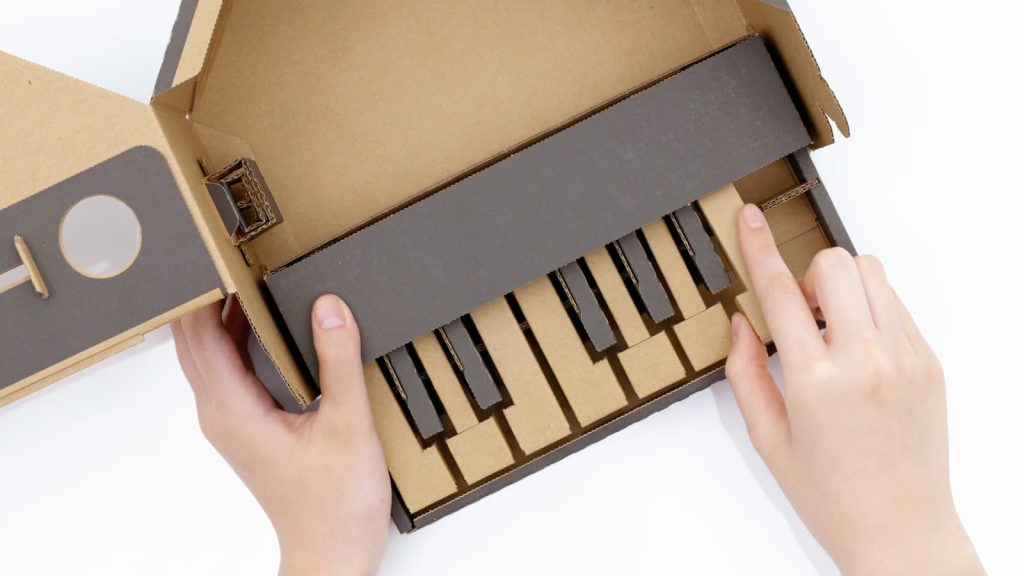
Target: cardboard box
{"points": [[435, 163]]}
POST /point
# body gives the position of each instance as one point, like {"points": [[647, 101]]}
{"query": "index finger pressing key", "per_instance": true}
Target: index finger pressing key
{"points": [[785, 310]]}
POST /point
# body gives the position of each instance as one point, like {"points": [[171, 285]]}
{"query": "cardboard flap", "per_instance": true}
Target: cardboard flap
{"points": [[186, 48], [66, 145]]}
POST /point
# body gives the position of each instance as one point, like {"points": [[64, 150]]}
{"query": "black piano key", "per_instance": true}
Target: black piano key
{"points": [[646, 279], [481, 384], [417, 399], [589, 310], [709, 264]]}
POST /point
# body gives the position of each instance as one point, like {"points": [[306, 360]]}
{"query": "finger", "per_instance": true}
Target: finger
{"points": [[913, 332], [229, 383], [338, 350], [880, 297], [758, 396], [188, 364], [833, 283], [785, 310]]}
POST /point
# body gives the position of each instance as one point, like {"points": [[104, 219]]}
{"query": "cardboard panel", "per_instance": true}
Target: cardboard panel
{"points": [[592, 389], [535, 417], [645, 278], [673, 268], [616, 297], [799, 252], [419, 473], [722, 211], [652, 365], [545, 206], [480, 451], [171, 269], [586, 306], [445, 383], [706, 338], [435, 88]]}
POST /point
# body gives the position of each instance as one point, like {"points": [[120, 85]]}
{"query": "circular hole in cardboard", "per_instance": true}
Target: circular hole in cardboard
{"points": [[100, 237]]}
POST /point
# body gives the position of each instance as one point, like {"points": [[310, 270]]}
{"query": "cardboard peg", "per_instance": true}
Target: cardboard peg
{"points": [[30, 266]]}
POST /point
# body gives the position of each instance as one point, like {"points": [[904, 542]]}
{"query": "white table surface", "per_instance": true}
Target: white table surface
{"points": [[107, 473]]}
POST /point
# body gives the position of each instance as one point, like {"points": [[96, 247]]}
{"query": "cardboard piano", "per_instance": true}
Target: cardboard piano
{"points": [[530, 207]]}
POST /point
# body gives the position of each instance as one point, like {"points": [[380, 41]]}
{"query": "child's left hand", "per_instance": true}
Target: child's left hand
{"points": [[320, 476]]}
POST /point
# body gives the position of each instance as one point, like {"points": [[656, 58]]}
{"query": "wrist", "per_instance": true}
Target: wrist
{"points": [[929, 548], [313, 560]]}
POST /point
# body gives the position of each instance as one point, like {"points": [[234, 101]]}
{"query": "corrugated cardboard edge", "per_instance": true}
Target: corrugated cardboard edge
{"points": [[188, 44], [832, 226]]}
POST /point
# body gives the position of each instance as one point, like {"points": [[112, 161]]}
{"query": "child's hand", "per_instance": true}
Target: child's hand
{"points": [[320, 476], [858, 442]]}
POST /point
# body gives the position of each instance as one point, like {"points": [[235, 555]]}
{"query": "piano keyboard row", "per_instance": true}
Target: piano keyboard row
{"points": [[570, 350]]}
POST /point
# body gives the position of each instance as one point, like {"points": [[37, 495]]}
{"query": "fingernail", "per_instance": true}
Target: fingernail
{"points": [[753, 217], [330, 312]]}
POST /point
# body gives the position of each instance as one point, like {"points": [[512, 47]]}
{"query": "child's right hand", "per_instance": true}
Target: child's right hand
{"points": [[858, 440]]}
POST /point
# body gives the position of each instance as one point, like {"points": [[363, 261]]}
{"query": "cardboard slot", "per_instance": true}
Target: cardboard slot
{"points": [[648, 284], [706, 338], [652, 366], [420, 474], [673, 269], [617, 297], [592, 389], [480, 451], [13, 278], [587, 308], [445, 383], [414, 393], [698, 243], [791, 219], [482, 386], [535, 417], [721, 209], [768, 182], [506, 226]]}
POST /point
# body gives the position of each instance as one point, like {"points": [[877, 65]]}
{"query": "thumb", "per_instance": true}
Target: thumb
{"points": [[758, 397], [338, 351]]}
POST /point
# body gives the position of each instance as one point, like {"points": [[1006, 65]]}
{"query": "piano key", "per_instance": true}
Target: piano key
{"points": [[419, 473], [445, 382], [706, 338], [535, 417], [648, 284], [673, 268], [700, 248], [417, 399], [478, 378], [616, 296], [722, 211], [587, 307], [592, 390], [481, 451], [799, 252], [748, 304], [791, 219], [652, 365]]}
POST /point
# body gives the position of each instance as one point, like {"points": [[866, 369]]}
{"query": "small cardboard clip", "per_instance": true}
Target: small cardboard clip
{"points": [[243, 200], [30, 266]]}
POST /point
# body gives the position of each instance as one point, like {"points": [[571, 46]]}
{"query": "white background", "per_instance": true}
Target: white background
{"points": [[107, 473]]}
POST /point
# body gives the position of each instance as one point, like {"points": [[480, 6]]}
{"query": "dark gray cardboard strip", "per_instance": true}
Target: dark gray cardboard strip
{"points": [[647, 283], [176, 46], [485, 392], [551, 203], [171, 269], [424, 414], [271, 378], [708, 262], [825, 209], [591, 315]]}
